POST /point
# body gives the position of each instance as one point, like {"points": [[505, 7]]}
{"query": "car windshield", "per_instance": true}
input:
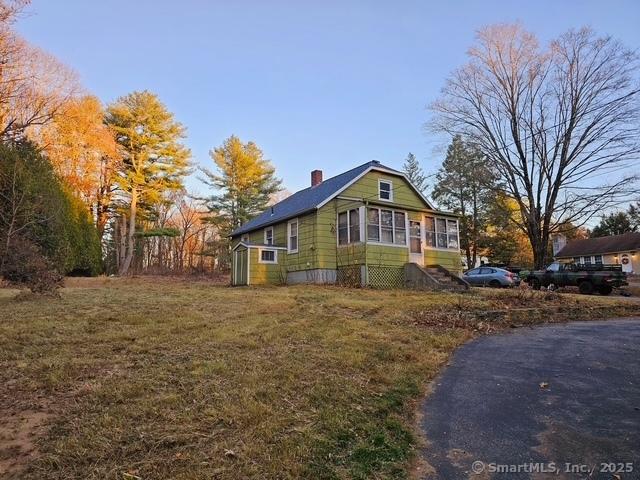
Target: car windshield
{"points": [[554, 267]]}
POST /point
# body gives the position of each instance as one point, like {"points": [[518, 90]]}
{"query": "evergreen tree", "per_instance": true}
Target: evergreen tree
{"points": [[462, 185], [153, 161], [246, 181], [39, 217], [414, 172], [615, 224]]}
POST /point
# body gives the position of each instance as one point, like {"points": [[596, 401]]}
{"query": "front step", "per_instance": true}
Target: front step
{"points": [[432, 277]]}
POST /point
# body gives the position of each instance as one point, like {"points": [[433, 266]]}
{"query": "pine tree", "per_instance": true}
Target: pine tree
{"points": [[246, 181], [462, 185], [153, 160], [414, 172]]}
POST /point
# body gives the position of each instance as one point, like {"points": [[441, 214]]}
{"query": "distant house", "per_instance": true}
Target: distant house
{"points": [[616, 249], [367, 226]]}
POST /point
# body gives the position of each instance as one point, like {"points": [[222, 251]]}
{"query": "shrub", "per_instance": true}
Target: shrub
{"points": [[24, 264], [35, 204]]}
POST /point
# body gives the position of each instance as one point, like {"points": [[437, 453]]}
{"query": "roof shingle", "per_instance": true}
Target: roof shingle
{"points": [[599, 245], [305, 200]]}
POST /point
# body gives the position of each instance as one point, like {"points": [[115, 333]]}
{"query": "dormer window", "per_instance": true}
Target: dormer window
{"points": [[385, 190], [268, 236]]}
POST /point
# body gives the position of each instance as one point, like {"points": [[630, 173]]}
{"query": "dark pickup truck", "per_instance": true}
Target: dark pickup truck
{"points": [[588, 278]]}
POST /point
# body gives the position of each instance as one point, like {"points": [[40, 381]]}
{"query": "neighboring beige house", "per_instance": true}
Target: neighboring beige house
{"points": [[616, 249]]}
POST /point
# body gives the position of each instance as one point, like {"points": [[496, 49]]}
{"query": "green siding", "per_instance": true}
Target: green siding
{"points": [[265, 273], [317, 235], [403, 194]]}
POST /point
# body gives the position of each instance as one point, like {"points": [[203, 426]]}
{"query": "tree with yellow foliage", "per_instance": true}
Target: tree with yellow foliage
{"points": [[154, 162]]}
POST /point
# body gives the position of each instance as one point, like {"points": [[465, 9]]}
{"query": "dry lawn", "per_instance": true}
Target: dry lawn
{"points": [[141, 378]]}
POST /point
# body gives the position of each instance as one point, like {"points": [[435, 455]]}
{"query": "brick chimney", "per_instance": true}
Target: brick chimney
{"points": [[316, 177]]}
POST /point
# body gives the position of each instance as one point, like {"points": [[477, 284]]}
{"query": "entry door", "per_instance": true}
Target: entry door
{"points": [[625, 260], [240, 267], [416, 255]]}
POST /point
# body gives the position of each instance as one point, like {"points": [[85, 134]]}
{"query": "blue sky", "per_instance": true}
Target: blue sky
{"points": [[327, 85]]}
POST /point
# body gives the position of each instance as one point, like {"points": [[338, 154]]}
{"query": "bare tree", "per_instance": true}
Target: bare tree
{"points": [[556, 122], [33, 84]]}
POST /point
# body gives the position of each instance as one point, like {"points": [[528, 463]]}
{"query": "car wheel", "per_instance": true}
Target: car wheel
{"points": [[535, 284], [586, 287], [495, 284], [605, 289]]}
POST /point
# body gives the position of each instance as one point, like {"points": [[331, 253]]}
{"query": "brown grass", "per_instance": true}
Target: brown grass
{"points": [[174, 379]]}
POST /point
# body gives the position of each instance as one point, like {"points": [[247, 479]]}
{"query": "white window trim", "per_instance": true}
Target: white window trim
{"points": [[289, 223], [390, 199], [275, 255], [393, 224], [361, 213], [435, 232], [272, 235]]}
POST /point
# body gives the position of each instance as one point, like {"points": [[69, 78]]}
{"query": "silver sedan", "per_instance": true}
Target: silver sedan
{"points": [[491, 277]]}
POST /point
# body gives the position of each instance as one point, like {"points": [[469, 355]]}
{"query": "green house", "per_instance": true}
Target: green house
{"points": [[368, 226]]}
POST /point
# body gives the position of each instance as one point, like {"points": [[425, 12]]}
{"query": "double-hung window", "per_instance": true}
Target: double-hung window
{"points": [[386, 226], [385, 190], [268, 236], [598, 259], [292, 236], [349, 227], [441, 233]]}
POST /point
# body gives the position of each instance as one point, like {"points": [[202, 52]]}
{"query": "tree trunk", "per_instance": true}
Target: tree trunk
{"points": [[130, 232]]}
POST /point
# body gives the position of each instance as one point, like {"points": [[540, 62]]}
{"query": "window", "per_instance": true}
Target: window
{"points": [[387, 226], [554, 267], [268, 256], [576, 259], [385, 190], [452, 234], [268, 236], [475, 271], [430, 231], [598, 259], [415, 239], [343, 228], [441, 233], [244, 238], [399, 228], [354, 225], [374, 225], [349, 227], [587, 260], [292, 236]]}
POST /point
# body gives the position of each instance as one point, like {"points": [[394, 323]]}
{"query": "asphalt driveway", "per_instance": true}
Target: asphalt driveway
{"points": [[555, 401]]}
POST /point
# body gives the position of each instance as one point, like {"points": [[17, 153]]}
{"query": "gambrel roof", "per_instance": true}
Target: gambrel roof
{"points": [[314, 197]]}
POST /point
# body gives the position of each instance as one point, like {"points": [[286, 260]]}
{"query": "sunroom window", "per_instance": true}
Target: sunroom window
{"points": [[349, 227], [441, 233], [386, 226]]}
